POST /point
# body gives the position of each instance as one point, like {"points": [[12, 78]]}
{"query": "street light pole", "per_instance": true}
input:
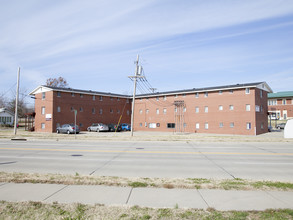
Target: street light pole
{"points": [[75, 113], [16, 103]]}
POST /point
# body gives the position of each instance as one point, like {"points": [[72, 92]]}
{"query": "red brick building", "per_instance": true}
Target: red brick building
{"points": [[55, 106], [234, 109], [281, 105]]}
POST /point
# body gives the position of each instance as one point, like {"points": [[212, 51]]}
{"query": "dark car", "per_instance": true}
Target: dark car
{"points": [[114, 127], [281, 126], [125, 127], [68, 129]]}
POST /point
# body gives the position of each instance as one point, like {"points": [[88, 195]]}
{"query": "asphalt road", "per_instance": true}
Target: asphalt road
{"points": [[250, 160]]}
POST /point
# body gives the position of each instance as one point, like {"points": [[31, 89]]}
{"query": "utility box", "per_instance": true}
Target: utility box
{"points": [[288, 130]]}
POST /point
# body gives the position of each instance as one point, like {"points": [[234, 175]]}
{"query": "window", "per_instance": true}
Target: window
{"points": [[221, 124], [94, 97], [260, 93], [140, 111], [140, 124], [284, 101], [58, 109], [231, 91], [111, 111], [262, 125], [93, 110], [231, 107], [118, 99], [147, 111], [196, 109], [176, 96], [101, 98], [247, 91], [261, 108], [197, 126], [196, 95], [43, 95], [248, 125], [165, 98], [58, 94], [157, 98], [257, 108], [247, 107], [81, 109], [184, 125], [220, 108], [272, 102], [101, 111], [206, 109], [128, 112], [231, 124], [164, 111], [111, 98], [184, 109], [127, 100], [43, 126], [158, 111], [81, 95], [72, 94], [206, 94], [43, 110], [57, 125], [80, 125], [152, 125], [184, 95], [170, 125], [140, 99], [118, 111], [220, 92], [206, 125], [175, 109], [71, 109]]}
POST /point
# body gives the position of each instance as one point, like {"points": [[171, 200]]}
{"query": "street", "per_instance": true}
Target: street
{"points": [[227, 160]]}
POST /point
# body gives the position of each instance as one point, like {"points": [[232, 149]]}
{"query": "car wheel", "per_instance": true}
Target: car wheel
{"points": [[68, 132], [89, 130]]}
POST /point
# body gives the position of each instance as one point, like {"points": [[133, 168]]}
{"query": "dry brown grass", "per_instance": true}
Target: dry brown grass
{"points": [[169, 183]]}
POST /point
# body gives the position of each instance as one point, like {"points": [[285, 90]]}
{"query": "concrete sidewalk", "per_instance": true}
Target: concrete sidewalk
{"points": [[223, 200]]}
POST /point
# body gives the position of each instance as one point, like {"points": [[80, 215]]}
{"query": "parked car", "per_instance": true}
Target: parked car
{"points": [[98, 127], [68, 129], [281, 126], [114, 127], [125, 127]]}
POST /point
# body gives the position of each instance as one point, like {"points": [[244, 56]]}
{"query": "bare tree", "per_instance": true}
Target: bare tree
{"points": [[57, 82], [2, 101]]}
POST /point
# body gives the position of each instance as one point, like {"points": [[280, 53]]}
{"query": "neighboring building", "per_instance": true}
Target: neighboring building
{"points": [[6, 117], [234, 109], [56, 106], [280, 105]]}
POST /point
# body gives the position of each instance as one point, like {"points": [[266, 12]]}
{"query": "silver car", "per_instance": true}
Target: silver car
{"points": [[98, 127], [68, 129]]}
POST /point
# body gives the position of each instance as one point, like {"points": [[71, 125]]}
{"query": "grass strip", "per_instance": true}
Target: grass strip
{"points": [[169, 183], [38, 210]]}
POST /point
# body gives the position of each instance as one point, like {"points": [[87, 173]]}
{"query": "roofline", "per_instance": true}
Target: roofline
{"points": [[284, 94], [87, 92], [208, 89]]}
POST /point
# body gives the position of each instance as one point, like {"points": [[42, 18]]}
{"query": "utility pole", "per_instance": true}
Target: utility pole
{"points": [[16, 102], [136, 75]]}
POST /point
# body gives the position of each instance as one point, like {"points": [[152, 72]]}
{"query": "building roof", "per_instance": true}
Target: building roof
{"points": [[7, 111], [44, 88], [260, 85], [280, 94]]}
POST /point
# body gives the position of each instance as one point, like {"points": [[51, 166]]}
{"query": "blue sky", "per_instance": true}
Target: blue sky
{"points": [[182, 44]]}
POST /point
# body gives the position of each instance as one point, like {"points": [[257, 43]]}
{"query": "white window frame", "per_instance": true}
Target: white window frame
{"points": [[206, 109], [248, 125], [247, 107], [58, 109], [206, 125], [43, 110], [247, 90], [196, 109], [231, 107], [220, 108], [157, 111], [197, 125]]}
